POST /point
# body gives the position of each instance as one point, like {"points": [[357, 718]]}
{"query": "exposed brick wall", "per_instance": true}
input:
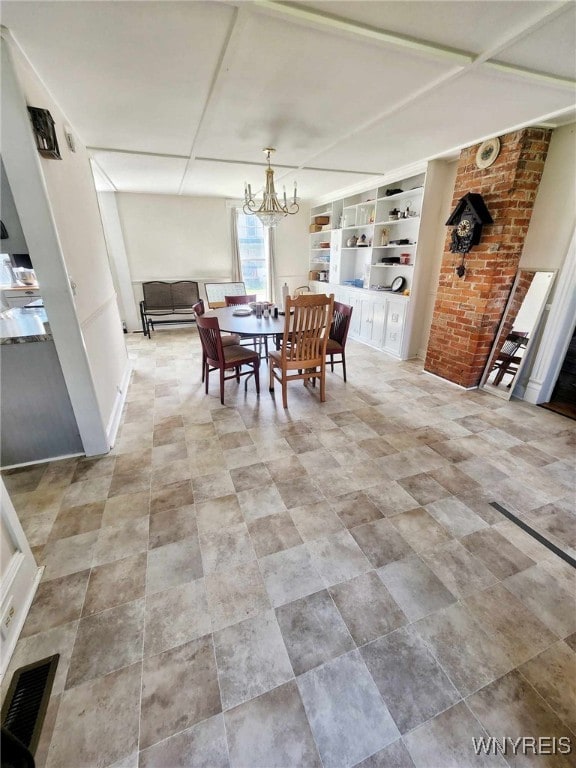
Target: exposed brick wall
{"points": [[468, 310]]}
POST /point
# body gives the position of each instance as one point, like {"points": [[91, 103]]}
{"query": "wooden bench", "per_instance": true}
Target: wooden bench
{"points": [[162, 299]]}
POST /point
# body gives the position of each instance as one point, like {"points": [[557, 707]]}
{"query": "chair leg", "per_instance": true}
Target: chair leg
{"points": [[284, 392], [332, 363], [257, 376], [344, 365], [271, 376], [222, 385], [323, 384], [207, 369], [238, 374], [203, 366]]}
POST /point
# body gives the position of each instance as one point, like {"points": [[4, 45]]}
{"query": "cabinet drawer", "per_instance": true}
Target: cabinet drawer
{"points": [[20, 298]]}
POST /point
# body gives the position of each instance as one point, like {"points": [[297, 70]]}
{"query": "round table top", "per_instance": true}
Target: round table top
{"points": [[247, 325]]}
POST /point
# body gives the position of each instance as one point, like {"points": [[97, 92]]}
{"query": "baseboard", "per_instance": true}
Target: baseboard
{"points": [[35, 462], [447, 381], [115, 416]]}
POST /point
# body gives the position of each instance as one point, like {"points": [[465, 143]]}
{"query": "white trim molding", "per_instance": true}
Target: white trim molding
{"points": [[115, 416]]}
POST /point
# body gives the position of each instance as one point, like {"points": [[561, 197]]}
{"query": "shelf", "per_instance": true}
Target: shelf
{"points": [[357, 248], [321, 249], [394, 245], [400, 195], [359, 226], [395, 266], [396, 221]]}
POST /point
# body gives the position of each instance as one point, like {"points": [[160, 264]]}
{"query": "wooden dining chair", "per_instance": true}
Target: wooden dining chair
{"points": [[217, 357], [257, 342], [338, 334], [227, 339], [302, 354], [232, 301]]}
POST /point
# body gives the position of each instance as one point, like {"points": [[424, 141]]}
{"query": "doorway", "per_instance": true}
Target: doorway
{"points": [[563, 398]]}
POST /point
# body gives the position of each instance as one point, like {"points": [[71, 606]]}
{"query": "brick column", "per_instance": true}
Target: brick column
{"points": [[468, 310]]}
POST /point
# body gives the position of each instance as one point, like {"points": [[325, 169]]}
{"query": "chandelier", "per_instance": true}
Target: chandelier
{"points": [[271, 210]]}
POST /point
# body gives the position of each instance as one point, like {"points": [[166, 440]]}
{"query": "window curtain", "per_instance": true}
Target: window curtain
{"points": [[271, 265], [236, 263]]}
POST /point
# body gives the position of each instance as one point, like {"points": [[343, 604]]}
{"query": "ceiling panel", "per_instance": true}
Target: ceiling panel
{"points": [[535, 51], [141, 173], [128, 75], [288, 87], [211, 178], [470, 26], [457, 114]]}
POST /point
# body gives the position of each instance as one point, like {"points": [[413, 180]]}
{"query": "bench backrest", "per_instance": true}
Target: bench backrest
{"points": [[181, 294]]}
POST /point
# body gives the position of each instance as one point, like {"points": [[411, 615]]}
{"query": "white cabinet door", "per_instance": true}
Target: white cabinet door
{"points": [[378, 322], [372, 321], [395, 315], [366, 307]]}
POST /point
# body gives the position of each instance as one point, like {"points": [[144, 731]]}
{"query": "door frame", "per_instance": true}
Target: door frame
{"points": [[19, 583]]}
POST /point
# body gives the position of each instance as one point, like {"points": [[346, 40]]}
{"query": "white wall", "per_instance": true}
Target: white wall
{"points": [[440, 180], [168, 237], [58, 209], [15, 242], [292, 246], [554, 215]]}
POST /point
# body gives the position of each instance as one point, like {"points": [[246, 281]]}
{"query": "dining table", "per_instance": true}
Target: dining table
{"points": [[247, 325]]}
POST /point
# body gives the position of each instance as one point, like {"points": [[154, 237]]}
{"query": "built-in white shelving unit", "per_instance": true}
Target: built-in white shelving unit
{"points": [[361, 245]]}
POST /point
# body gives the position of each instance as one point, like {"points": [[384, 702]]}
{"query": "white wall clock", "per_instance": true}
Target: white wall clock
{"points": [[487, 153]]}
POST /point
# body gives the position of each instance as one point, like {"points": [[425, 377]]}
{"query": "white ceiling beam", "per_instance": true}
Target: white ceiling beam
{"points": [[236, 25], [340, 24], [138, 152]]}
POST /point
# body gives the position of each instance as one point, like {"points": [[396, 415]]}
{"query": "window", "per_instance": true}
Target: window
{"points": [[254, 254]]}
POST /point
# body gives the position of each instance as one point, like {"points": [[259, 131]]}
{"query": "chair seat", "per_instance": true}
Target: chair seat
{"points": [[234, 353], [294, 365], [333, 347]]}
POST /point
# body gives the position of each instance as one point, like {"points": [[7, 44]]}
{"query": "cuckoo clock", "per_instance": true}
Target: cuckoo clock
{"points": [[467, 220]]}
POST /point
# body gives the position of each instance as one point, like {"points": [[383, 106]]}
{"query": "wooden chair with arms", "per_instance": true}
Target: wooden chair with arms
{"points": [[338, 335], [221, 358], [227, 340], [303, 351]]}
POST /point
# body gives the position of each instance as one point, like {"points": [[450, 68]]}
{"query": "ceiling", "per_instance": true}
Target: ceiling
{"points": [[181, 97]]}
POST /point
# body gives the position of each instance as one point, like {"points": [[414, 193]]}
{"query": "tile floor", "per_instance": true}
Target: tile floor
{"points": [[324, 586]]}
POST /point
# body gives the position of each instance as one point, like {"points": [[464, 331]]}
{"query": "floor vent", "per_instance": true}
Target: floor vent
{"points": [[27, 700]]}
